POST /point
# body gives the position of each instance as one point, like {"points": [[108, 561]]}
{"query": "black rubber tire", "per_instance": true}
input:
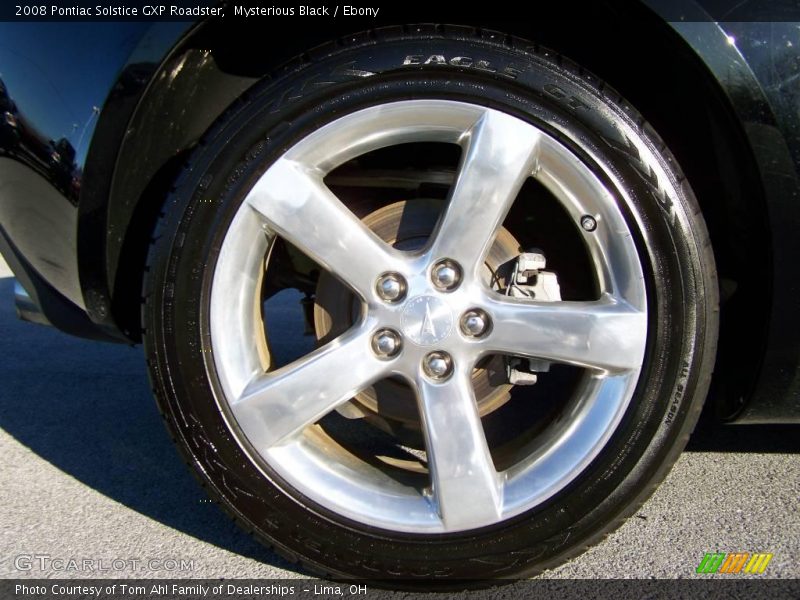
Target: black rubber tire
{"points": [[492, 70]]}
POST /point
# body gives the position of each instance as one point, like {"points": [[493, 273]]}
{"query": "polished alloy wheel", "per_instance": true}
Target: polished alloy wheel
{"points": [[427, 317]]}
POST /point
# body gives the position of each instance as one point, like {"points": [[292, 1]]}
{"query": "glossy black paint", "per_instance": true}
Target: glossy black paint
{"points": [[771, 51], [756, 61], [95, 184], [55, 83]]}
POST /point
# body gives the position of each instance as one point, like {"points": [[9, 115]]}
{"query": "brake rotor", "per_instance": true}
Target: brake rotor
{"points": [[407, 225]]}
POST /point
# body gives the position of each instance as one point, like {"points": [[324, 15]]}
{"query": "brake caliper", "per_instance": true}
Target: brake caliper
{"points": [[529, 280]]}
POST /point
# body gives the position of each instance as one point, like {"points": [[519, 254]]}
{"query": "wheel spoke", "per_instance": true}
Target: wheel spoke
{"points": [[275, 406], [607, 334], [499, 156], [466, 486], [301, 209]]}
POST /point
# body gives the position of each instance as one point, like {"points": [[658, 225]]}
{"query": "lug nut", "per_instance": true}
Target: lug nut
{"points": [[475, 323], [446, 275], [588, 222], [438, 365], [391, 287], [386, 343]]}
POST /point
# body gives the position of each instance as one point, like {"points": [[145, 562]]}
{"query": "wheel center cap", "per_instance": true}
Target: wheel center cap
{"points": [[426, 320]]}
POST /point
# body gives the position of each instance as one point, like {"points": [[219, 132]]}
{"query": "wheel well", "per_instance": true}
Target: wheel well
{"points": [[643, 59]]}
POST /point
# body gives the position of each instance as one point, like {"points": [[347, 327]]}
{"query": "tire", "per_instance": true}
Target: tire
{"points": [[640, 308]]}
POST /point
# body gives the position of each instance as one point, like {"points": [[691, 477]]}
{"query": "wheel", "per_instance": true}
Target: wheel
{"points": [[429, 306]]}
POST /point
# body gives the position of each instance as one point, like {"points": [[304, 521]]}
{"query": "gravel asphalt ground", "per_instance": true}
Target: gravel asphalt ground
{"points": [[87, 470]]}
